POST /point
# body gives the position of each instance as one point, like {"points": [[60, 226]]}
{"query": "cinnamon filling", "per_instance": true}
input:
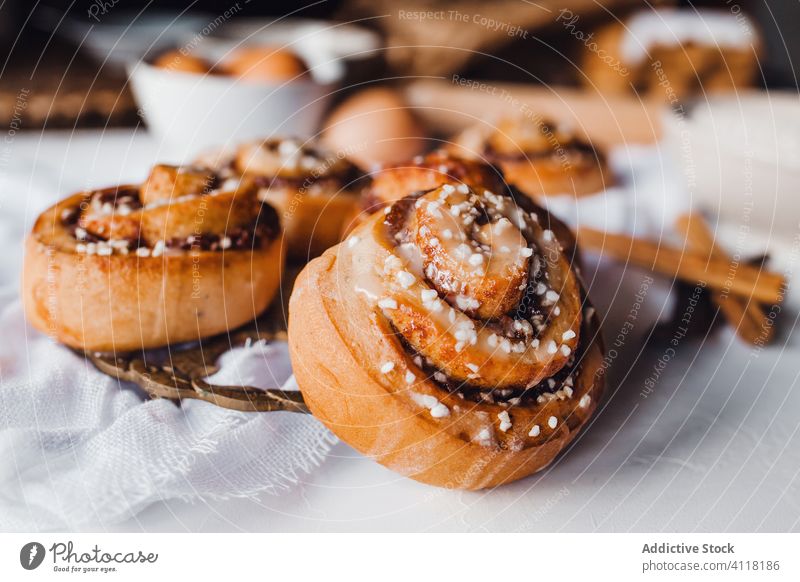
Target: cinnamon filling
{"points": [[575, 149], [234, 239], [559, 386], [104, 206]]}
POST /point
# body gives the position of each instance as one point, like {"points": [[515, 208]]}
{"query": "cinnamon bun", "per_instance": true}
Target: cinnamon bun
{"points": [[672, 54], [449, 337], [538, 156], [313, 189], [178, 258]]}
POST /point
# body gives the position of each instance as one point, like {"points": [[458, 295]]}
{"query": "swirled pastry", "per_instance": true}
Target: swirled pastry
{"points": [[181, 257], [539, 157], [449, 338], [312, 189], [672, 54]]}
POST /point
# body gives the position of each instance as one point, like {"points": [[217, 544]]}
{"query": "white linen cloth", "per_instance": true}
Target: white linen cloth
{"points": [[79, 447]]}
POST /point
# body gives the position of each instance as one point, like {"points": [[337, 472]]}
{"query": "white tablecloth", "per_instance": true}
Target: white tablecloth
{"points": [[707, 442]]}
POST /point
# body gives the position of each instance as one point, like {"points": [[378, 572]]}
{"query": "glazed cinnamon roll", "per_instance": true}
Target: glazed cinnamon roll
{"points": [[313, 189], [538, 156], [449, 338], [671, 54], [179, 258]]}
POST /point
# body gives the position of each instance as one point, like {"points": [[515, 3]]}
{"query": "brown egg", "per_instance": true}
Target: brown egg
{"points": [[375, 126], [176, 61], [264, 63]]}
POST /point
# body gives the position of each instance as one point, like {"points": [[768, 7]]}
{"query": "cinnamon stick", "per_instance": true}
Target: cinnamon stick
{"points": [[722, 275], [744, 314]]}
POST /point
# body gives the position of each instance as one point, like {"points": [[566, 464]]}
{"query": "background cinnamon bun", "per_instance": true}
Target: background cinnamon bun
{"points": [[312, 188], [539, 156]]}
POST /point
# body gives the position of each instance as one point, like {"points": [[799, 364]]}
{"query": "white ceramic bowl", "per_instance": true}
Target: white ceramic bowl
{"points": [[188, 113]]}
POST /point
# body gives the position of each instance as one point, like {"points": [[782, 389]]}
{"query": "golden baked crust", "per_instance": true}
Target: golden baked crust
{"points": [[675, 70], [148, 288], [430, 171], [439, 167], [314, 190], [538, 156], [400, 366]]}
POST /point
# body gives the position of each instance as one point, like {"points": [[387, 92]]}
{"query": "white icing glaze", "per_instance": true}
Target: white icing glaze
{"points": [[389, 276]]}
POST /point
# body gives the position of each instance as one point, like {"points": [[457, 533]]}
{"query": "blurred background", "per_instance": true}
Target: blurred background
{"points": [[383, 81], [71, 55]]}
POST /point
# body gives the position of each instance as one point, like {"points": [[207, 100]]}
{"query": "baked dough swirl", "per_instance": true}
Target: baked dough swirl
{"points": [[538, 156], [313, 189], [179, 258], [674, 54], [449, 338]]}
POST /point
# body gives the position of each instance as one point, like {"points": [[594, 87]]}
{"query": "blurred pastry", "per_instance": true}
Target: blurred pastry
{"points": [[672, 54], [539, 157], [313, 189], [375, 127], [179, 258]]}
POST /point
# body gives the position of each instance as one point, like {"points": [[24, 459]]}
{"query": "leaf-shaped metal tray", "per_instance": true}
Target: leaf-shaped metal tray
{"points": [[179, 372]]}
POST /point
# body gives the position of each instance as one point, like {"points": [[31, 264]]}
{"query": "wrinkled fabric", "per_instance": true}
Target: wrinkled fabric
{"points": [[79, 447]]}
